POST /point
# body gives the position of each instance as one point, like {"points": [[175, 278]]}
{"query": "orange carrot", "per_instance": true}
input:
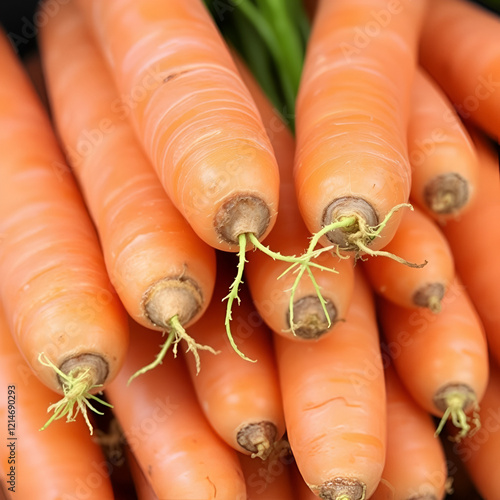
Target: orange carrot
{"points": [[479, 273], [415, 466], [142, 485], [61, 308], [456, 35], [292, 306], [441, 359], [63, 461], [174, 445], [480, 451], [352, 169], [241, 400], [269, 479], [163, 273], [417, 239], [334, 402], [192, 113], [442, 155]]}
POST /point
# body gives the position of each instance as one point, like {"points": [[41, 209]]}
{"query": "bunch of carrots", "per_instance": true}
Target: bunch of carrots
{"points": [[243, 250]]}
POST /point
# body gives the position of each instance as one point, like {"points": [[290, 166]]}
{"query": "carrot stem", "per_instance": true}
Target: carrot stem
{"points": [[176, 333], [455, 410], [76, 388]]}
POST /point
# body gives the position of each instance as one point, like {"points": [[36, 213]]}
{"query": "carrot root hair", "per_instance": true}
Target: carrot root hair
{"points": [[77, 384], [176, 333], [454, 400], [341, 488], [258, 438]]}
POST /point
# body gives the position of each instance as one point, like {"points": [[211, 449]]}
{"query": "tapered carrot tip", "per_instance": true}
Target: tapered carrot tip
{"points": [[454, 400], [446, 193], [258, 438], [358, 208], [242, 215], [430, 296], [342, 488], [167, 298], [79, 377], [310, 320]]}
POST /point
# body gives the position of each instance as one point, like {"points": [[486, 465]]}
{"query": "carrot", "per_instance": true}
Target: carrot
{"points": [[291, 306], [62, 462], [480, 451], [480, 272], [142, 486], [334, 402], [441, 359], [351, 168], [241, 400], [442, 155], [174, 445], [409, 287], [458, 35], [61, 308], [415, 465], [192, 113], [163, 273], [268, 479]]}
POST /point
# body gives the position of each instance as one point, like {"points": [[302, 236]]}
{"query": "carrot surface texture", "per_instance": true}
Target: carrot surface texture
{"points": [[64, 314], [291, 304], [442, 154], [481, 273], [241, 400], [415, 466], [334, 402], [409, 287], [62, 462], [352, 172], [195, 119], [480, 453], [442, 359], [176, 448], [163, 273], [458, 34]]}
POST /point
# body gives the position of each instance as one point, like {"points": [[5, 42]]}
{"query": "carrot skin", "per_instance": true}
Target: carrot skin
{"points": [[45, 466], [146, 242], [174, 445], [234, 393], [54, 286], [432, 351], [192, 113], [332, 391]]}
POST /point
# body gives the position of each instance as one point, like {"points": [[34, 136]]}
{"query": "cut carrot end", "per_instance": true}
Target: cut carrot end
{"points": [[171, 297], [447, 194], [233, 295], [313, 316], [258, 439], [176, 333], [77, 386], [341, 488], [430, 296], [455, 399]]}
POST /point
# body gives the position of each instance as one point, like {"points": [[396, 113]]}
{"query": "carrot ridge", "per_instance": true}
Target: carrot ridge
{"points": [[176, 333], [77, 384]]}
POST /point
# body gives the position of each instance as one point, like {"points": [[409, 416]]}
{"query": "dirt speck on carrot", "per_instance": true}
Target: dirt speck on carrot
{"points": [[430, 296], [96, 365], [309, 317], [171, 297], [240, 215], [258, 438], [342, 488], [447, 193], [347, 207]]}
